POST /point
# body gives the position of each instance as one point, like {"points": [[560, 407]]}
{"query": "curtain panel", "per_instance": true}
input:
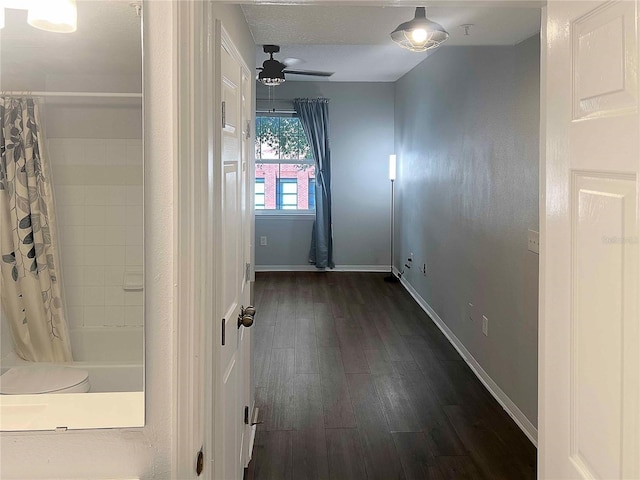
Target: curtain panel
{"points": [[314, 116]]}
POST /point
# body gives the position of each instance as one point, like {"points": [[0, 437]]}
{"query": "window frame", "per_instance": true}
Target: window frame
{"points": [[310, 162], [255, 193]]}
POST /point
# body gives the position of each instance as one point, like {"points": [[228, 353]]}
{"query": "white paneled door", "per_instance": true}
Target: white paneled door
{"points": [[589, 425], [232, 363]]}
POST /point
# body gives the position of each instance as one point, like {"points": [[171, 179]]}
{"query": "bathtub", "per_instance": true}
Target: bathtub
{"points": [[112, 356]]}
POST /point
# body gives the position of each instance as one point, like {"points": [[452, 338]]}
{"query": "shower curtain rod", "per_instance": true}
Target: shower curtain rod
{"points": [[71, 94]]}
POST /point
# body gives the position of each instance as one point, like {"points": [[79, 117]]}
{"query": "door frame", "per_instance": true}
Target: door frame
{"points": [[542, 208], [190, 193]]}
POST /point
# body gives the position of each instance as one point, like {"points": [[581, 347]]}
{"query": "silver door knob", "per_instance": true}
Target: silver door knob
{"points": [[245, 320]]}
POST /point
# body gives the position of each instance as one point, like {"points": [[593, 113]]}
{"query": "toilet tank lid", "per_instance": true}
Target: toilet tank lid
{"points": [[35, 379]]}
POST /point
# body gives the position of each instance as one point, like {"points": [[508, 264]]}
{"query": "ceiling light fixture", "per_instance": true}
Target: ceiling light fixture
{"points": [[272, 73], [419, 34], [271, 79], [53, 15]]}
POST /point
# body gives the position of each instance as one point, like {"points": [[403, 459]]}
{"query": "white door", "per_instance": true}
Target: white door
{"points": [[232, 285], [589, 425]]}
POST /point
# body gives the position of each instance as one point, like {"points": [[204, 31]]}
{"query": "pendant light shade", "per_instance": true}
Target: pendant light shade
{"points": [[419, 34], [53, 15]]}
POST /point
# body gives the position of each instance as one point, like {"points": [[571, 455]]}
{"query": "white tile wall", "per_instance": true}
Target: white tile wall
{"points": [[101, 231]]}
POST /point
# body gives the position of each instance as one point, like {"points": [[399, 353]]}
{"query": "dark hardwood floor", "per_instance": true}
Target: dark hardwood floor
{"points": [[354, 381]]}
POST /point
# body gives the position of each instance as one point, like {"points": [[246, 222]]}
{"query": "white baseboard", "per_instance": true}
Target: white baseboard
{"points": [[362, 268], [287, 268], [311, 268], [503, 399]]}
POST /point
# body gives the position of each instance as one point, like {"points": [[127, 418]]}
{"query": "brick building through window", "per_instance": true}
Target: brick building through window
{"points": [[285, 169]]}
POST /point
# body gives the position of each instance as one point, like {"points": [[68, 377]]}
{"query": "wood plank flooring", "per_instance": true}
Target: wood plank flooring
{"points": [[354, 381]]}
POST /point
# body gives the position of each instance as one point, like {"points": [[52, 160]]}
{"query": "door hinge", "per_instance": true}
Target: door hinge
{"points": [[199, 462], [224, 322], [248, 129], [247, 273], [224, 114], [246, 415]]}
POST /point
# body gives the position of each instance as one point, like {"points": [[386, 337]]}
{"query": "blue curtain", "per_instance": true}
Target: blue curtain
{"points": [[314, 116]]}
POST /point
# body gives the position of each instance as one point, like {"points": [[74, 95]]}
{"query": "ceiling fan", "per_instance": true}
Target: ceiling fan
{"points": [[272, 71]]}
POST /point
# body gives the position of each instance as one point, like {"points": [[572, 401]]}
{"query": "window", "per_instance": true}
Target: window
{"points": [[312, 194], [259, 192], [285, 167], [287, 194]]}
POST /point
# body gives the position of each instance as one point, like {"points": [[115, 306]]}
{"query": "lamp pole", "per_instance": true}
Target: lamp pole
{"points": [[392, 176]]}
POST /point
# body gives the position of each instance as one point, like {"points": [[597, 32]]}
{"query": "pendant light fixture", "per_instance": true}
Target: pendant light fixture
{"points": [[419, 34], [53, 15]]}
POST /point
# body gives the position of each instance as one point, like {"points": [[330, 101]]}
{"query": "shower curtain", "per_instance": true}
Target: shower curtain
{"points": [[31, 293]]}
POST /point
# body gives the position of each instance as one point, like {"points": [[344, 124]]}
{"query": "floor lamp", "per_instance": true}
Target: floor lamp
{"points": [[392, 176]]}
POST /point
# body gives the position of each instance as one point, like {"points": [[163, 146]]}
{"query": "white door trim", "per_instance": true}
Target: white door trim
{"points": [[190, 197], [542, 249]]}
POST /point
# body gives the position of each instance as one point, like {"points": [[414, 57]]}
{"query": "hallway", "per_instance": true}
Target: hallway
{"points": [[354, 381]]}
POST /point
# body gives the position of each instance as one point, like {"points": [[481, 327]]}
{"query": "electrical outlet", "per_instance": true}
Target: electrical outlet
{"points": [[409, 261], [470, 311], [424, 270], [263, 241], [533, 241], [485, 325]]}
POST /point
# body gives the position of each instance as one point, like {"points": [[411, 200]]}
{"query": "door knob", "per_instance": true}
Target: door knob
{"points": [[245, 319]]}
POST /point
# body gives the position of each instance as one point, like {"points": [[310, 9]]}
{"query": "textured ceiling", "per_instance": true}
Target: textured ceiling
{"points": [[108, 40], [354, 41]]}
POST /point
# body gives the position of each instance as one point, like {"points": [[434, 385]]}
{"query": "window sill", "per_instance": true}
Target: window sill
{"points": [[291, 215]]}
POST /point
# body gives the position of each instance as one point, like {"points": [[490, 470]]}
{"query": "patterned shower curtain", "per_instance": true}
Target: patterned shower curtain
{"points": [[31, 295]]}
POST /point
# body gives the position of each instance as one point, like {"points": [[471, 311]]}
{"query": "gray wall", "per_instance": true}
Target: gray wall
{"points": [[362, 137], [467, 131]]}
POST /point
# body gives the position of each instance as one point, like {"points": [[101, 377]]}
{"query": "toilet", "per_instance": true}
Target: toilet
{"points": [[41, 379]]}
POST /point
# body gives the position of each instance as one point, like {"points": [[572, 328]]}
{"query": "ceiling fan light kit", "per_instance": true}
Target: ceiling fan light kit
{"points": [[272, 71], [271, 79], [419, 34]]}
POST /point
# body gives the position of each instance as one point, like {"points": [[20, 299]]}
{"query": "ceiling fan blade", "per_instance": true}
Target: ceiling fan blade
{"points": [[292, 62], [311, 73]]}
